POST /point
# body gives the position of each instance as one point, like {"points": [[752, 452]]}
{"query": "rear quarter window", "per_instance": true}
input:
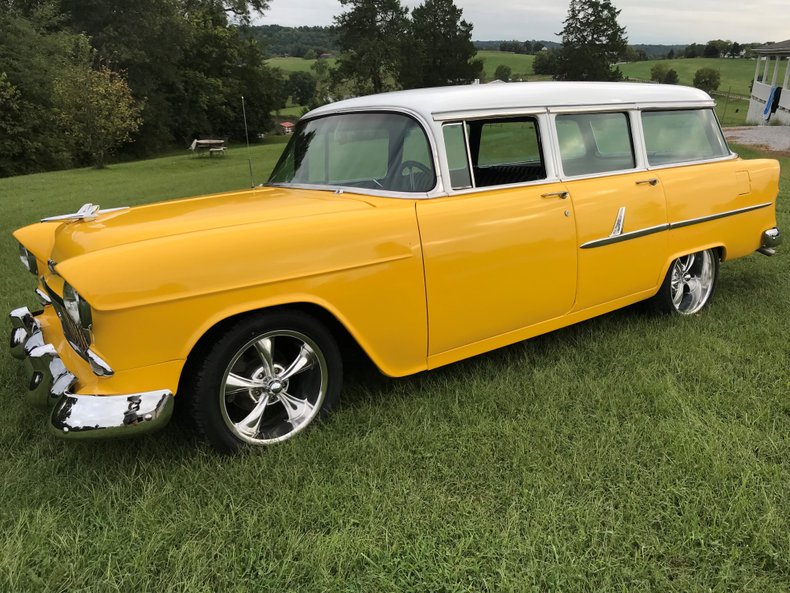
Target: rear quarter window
{"points": [[682, 136]]}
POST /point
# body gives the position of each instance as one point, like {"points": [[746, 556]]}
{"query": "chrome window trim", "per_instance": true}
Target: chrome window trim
{"points": [[360, 191], [731, 157], [490, 188], [503, 112], [669, 226]]}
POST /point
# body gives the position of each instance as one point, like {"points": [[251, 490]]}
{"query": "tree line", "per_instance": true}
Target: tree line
{"points": [[80, 77]]}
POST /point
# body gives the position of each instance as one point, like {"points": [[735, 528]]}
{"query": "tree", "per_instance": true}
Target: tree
{"points": [[592, 41], [441, 47], [671, 54], [97, 110], [671, 77], [503, 73], [545, 62], [372, 35], [707, 79], [658, 73], [301, 87]]}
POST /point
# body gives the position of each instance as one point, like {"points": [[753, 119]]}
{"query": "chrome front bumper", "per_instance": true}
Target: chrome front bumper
{"points": [[80, 416]]}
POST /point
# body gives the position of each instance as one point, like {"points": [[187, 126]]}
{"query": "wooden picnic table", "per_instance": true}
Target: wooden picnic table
{"points": [[210, 145]]}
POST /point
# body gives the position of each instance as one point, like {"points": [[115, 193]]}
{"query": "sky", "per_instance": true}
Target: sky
{"points": [[646, 21]]}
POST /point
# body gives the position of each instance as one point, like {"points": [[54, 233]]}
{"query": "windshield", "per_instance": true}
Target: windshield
{"points": [[379, 151]]}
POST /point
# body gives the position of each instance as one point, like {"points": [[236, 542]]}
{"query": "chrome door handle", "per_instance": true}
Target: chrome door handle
{"points": [[652, 182], [562, 195]]}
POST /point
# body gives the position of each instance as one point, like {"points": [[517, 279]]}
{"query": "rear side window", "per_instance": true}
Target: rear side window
{"points": [[682, 136], [593, 143], [505, 151]]}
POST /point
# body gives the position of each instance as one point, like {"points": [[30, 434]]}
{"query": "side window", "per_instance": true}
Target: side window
{"points": [[455, 147], [505, 151], [593, 143], [682, 136]]}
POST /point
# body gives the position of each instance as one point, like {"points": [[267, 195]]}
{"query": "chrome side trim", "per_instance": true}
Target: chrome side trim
{"points": [[617, 230], [78, 416], [625, 236], [666, 227], [701, 219]]}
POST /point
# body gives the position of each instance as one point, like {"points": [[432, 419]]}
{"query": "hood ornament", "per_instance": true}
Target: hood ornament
{"points": [[86, 212]]}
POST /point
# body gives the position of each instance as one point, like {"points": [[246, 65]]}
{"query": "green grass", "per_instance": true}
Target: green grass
{"points": [[628, 453], [520, 64], [295, 64], [736, 75]]}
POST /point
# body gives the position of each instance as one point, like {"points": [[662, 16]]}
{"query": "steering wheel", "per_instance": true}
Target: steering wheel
{"points": [[410, 166]]}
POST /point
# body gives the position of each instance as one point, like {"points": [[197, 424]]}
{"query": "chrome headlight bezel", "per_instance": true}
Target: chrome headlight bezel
{"points": [[77, 308], [28, 260]]}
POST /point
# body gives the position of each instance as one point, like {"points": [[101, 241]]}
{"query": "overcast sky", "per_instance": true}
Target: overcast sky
{"points": [[647, 21]]}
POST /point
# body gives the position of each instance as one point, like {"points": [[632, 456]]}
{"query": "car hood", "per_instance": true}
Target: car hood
{"points": [[193, 215]]}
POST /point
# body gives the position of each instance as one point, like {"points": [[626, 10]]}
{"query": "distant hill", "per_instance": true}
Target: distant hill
{"points": [[277, 40]]}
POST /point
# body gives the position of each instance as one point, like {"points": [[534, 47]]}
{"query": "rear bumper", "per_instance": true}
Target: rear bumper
{"points": [[770, 240], [80, 415]]}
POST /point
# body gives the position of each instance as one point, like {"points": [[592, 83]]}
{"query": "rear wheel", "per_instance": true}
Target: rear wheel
{"points": [[689, 284], [265, 380]]}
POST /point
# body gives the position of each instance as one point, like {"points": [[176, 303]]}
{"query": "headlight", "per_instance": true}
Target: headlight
{"points": [[28, 260], [76, 307]]}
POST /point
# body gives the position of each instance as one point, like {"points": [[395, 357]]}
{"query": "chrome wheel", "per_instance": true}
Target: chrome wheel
{"points": [[274, 387], [692, 280]]}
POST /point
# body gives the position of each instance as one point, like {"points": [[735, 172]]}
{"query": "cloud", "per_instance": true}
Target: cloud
{"points": [[647, 21]]}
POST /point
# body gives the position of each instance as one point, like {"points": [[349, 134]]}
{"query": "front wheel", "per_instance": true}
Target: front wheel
{"points": [[689, 284], [264, 380]]}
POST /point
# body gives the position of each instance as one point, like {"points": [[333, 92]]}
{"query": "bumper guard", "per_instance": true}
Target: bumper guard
{"points": [[81, 416]]}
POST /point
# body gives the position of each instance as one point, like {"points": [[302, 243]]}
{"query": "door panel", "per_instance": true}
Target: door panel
{"points": [[612, 263], [496, 261]]}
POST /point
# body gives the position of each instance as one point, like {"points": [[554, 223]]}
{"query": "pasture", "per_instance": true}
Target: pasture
{"points": [[632, 452]]}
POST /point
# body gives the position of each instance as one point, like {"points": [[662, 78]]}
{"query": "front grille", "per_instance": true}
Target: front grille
{"points": [[79, 338]]}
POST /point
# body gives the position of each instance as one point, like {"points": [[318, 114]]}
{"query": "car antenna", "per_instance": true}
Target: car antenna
{"points": [[247, 136]]}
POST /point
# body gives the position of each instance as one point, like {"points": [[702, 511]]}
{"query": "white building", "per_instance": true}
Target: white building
{"points": [[771, 84]]}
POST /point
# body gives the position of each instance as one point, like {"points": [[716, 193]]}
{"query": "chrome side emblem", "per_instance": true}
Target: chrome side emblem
{"points": [[86, 212], [618, 223]]}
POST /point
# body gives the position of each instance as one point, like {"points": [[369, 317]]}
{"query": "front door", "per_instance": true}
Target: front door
{"points": [[497, 260]]}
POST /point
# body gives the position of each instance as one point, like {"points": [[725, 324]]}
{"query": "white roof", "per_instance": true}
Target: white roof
{"points": [[435, 103]]}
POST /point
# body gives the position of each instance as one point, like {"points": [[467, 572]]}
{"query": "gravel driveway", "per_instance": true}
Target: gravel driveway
{"points": [[774, 138]]}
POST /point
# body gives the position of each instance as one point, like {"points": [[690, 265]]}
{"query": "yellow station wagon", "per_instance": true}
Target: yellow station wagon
{"points": [[426, 226]]}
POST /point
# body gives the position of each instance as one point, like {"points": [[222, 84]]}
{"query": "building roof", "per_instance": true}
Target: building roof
{"points": [[287, 124], [781, 48], [435, 103]]}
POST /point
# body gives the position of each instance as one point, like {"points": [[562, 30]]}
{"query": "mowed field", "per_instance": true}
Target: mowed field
{"points": [[632, 452]]}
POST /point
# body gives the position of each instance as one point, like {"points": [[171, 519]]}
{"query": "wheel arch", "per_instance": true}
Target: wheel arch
{"points": [[350, 346]]}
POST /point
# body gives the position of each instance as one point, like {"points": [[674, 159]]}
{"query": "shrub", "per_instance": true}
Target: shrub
{"points": [[707, 79]]}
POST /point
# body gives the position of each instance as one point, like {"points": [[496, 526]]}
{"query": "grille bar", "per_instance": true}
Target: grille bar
{"points": [[76, 336]]}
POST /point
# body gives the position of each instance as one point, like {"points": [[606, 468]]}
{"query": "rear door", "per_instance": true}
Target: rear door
{"points": [[621, 216]]}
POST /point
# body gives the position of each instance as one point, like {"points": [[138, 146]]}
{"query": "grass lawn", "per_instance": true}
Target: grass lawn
{"points": [[628, 453], [295, 64], [736, 75]]}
